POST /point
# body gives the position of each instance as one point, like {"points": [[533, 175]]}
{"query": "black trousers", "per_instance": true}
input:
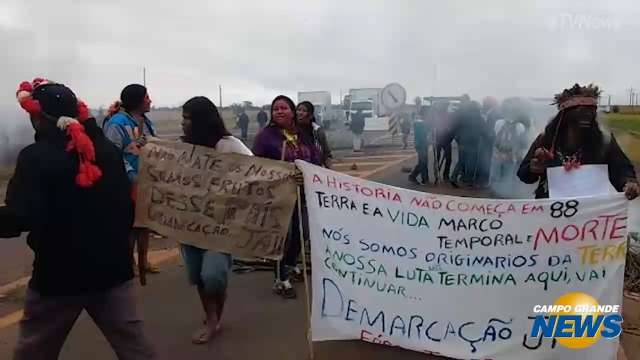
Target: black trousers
{"points": [[292, 245]]}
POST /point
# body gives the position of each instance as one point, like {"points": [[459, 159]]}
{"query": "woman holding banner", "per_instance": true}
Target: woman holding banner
{"points": [[283, 140], [208, 270]]}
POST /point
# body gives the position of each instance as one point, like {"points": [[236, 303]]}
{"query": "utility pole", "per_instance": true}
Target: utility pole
{"points": [[144, 76], [220, 95], [433, 85]]}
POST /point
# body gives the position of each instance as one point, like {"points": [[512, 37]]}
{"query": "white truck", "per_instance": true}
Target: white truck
{"points": [[321, 101], [368, 100]]}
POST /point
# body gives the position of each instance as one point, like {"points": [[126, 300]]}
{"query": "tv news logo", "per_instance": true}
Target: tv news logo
{"points": [[577, 321]]}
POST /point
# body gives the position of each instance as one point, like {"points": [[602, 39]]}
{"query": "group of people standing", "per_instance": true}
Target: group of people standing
{"points": [[77, 174], [490, 141]]}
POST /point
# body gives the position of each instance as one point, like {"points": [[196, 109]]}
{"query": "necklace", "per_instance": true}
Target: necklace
{"points": [[571, 162]]}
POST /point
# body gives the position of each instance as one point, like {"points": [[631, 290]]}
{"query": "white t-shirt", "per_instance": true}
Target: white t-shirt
{"points": [[230, 144]]}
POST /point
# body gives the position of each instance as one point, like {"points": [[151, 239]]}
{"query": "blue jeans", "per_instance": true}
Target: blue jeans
{"points": [[207, 269]]}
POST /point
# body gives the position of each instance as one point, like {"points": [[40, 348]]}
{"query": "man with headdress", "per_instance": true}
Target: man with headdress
{"points": [[64, 187], [574, 138], [128, 127]]}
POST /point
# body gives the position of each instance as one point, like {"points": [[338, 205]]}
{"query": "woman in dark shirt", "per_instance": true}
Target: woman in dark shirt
{"points": [[307, 123], [283, 140]]}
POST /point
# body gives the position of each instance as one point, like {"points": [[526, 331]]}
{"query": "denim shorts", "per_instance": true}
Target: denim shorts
{"points": [[207, 269]]}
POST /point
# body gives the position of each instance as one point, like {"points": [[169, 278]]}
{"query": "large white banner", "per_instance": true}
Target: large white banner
{"points": [[456, 277]]}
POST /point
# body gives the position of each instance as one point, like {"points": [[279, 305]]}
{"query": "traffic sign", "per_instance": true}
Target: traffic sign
{"points": [[393, 96]]}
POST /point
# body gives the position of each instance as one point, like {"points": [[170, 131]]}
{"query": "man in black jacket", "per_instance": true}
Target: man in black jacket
{"points": [[243, 123], [262, 118], [357, 128], [71, 193]]}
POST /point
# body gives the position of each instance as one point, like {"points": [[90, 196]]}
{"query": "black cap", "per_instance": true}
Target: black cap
{"points": [[56, 100]]}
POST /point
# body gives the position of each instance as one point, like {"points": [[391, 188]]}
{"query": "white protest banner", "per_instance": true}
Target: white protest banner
{"points": [[457, 277], [232, 203]]}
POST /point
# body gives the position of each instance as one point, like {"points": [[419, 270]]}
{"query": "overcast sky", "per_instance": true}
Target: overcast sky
{"points": [[258, 49]]}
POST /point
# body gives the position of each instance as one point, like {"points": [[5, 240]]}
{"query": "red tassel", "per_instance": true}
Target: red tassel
{"points": [[83, 180], [88, 173], [93, 172], [80, 141], [31, 106], [25, 86], [83, 111]]}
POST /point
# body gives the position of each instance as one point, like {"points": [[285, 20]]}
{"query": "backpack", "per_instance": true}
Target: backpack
{"points": [[507, 137]]}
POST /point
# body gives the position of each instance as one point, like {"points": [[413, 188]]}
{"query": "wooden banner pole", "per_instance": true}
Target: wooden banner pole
{"points": [[304, 274]]}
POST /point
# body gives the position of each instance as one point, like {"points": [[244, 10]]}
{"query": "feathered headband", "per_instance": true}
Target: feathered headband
{"points": [[88, 172], [577, 96], [572, 97]]}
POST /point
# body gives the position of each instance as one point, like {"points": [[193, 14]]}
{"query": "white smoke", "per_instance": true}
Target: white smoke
{"points": [[541, 112], [15, 133]]}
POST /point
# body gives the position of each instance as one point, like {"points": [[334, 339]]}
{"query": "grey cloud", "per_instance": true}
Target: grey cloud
{"points": [[257, 49]]}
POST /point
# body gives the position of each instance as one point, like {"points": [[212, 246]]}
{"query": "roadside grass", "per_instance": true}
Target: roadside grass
{"points": [[626, 127]]}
